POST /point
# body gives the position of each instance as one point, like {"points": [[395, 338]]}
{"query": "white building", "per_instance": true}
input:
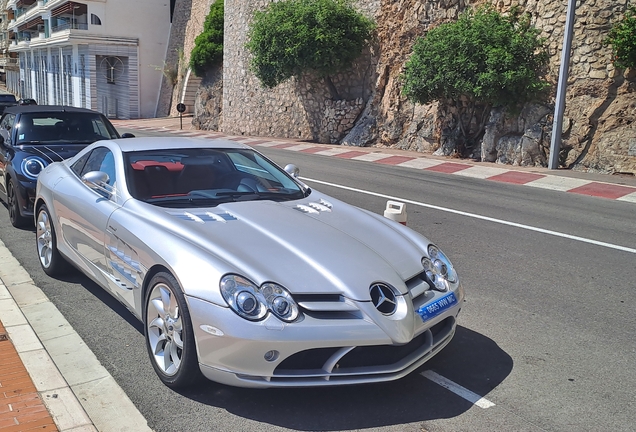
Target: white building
{"points": [[106, 55]]}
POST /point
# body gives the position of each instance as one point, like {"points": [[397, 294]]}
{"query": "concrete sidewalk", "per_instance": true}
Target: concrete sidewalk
{"points": [[49, 378]]}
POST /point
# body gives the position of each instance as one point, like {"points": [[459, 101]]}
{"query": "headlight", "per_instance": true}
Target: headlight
{"points": [[32, 166], [439, 270], [280, 302], [252, 302]]}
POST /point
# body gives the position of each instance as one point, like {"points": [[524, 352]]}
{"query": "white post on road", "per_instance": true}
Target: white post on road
{"points": [[559, 107]]}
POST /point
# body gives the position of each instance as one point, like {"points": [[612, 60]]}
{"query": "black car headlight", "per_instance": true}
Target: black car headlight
{"points": [[32, 166], [253, 303], [439, 270]]}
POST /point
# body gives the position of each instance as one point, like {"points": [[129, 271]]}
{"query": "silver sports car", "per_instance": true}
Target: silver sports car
{"points": [[241, 272]]}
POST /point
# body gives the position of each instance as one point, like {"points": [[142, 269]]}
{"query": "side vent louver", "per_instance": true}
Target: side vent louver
{"points": [[205, 217], [315, 207]]}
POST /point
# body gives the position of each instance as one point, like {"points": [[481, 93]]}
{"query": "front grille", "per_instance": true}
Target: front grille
{"points": [[327, 306]]}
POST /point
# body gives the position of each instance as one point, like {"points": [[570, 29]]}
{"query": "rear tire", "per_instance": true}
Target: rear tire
{"points": [[51, 261], [169, 334], [17, 220]]}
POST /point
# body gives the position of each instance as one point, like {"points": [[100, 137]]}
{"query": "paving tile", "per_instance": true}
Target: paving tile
{"points": [[629, 197], [394, 160], [67, 411], [24, 338], [516, 177], [481, 172], [107, 404], [26, 294], [420, 163], [47, 321], [4, 292], [74, 359], [373, 157], [332, 151], [11, 314], [557, 183], [313, 149], [351, 154], [449, 167], [45, 374], [603, 190]]}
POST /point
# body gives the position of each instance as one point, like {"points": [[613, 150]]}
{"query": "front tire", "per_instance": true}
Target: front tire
{"points": [[51, 261], [17, 220], [169, 334]]}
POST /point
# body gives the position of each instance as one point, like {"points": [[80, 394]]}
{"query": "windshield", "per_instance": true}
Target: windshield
{"points": [[205, 177], [7, 98], [63, 128]]}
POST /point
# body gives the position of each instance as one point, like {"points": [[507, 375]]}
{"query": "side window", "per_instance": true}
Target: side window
{"points": [[101, 159], [78, 165], [7, 124]]}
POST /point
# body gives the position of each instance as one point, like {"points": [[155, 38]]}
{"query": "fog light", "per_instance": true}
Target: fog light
{"points": [[272, 355]]}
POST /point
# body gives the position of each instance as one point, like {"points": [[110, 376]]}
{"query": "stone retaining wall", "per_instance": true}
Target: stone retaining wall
{"points": [[600, 103]]}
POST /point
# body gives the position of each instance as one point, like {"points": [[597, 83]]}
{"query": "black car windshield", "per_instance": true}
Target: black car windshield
{"points": [[7, 98], [63, 127], [205, 177]]}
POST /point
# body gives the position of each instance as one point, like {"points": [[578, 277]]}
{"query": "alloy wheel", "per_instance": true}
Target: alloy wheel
{"points": [[44, 239], [165, 329]]}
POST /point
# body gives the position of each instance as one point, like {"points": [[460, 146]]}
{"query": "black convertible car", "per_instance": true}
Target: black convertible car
{"points": [[31, 137]]}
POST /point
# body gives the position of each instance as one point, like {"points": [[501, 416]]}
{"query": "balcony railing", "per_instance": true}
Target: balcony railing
{"points": [[67, 26], [6, 61]]}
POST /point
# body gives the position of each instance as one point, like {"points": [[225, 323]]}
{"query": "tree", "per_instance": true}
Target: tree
{"points": [[208, 46], [292, 37], [482, 60], [622, 37]]}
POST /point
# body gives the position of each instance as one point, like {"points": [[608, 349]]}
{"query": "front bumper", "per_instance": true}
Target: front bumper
{"points": [[312, 352], [25, 194]]}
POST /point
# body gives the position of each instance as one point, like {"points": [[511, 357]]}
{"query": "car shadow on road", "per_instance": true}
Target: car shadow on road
{"points": [[472, 360]]}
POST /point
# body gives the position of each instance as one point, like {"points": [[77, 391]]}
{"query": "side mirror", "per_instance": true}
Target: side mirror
{"points": [[292, 170], [96, 180], [127, 135]]}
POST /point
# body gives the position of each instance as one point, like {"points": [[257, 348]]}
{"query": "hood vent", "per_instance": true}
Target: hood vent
{"points": [[204, 217], [315, 207]]}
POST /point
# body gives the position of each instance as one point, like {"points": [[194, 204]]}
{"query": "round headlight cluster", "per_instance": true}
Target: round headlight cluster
{"points": [[32, 167], [439, 270], [252, 302]]}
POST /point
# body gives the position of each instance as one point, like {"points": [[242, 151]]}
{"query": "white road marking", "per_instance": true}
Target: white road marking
{"points": [[476, 216], [460, 391]]}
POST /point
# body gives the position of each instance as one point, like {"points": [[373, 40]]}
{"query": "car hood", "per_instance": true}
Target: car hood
{"points": [[312, 246], [52, 152]]}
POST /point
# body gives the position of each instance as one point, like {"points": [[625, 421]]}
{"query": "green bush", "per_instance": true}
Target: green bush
{"points": [[208, 46], [622, 37], [291, 37], [483, 59]]}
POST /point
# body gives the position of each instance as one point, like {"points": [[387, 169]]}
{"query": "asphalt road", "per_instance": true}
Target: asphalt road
{"points": [[546, 334]]}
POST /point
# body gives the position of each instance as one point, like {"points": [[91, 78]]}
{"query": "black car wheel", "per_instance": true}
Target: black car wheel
{"points": [[17, 220], [52, 262], [169, 334]]}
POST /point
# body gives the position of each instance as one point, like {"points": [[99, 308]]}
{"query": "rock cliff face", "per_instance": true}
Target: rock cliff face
{"points": [[599, 132]]}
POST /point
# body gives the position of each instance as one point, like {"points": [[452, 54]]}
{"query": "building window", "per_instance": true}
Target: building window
{"points": [[95, 20], [113, 68]]}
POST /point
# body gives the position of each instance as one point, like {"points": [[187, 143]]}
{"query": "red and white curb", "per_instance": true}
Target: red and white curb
{"points": [[491, 173]]}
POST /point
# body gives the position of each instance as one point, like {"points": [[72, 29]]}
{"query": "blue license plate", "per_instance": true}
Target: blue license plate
{"points": [[431, 310]]}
